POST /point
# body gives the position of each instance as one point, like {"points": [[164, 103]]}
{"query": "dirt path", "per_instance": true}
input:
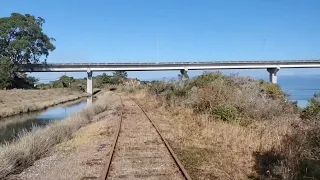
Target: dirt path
{"points": [[140, 153]]}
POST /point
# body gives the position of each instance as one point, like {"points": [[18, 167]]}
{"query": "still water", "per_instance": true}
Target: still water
{"points": [[10, 127]]}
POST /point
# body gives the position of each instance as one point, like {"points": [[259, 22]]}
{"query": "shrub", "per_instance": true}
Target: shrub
{"points": [[158, 87], [207, 78], [225, 113], [312, 111], [253, 100], [273, 90]]}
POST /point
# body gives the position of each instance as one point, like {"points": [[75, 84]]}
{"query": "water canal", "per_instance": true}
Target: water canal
{"points": [[11, 127]]}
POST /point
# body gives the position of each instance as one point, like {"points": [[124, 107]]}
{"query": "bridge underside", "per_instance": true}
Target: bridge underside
{"points": [[272, 67]]}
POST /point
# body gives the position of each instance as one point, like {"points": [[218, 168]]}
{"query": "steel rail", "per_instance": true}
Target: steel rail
{"points": [[105, 171], [174, 156]]}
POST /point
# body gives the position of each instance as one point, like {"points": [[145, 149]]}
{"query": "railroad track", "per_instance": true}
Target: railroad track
{"points": [[139, 150]]}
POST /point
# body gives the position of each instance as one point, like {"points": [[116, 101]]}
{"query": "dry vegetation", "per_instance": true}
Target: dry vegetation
{"points": [[230, 127], [23, 152], [18, 101]]}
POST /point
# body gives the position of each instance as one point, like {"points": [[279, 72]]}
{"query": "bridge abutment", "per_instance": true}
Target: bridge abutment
{"points": [[89, 82], [273, 75]]}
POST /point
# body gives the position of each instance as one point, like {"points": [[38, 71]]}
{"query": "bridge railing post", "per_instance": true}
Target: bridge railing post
{"points": [[89, 82], [273, 75]]}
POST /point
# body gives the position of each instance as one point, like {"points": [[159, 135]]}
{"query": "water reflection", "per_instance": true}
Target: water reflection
{"points": [[12, 126], [89, 100]]}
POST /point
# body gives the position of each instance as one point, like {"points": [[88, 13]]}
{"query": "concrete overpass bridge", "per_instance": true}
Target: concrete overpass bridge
{"points": [[271, 66]]}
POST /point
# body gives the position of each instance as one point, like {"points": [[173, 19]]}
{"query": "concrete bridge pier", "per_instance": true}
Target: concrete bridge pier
{"points": [[273, 75], [89, 100], [183, 74], [89, 82]]}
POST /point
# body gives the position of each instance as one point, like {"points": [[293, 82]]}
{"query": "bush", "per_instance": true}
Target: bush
{"points": [[312, 111], [207, 78], [158, 87], [273, 90], [225, 113], [251, 99]]}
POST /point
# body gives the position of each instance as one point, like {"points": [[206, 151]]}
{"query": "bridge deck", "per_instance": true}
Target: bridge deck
{"points": [[161, 66]]}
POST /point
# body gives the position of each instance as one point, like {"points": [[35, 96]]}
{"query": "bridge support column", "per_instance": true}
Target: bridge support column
{"points": [[89, 82], [89, 100], [184, 74], [273, 75]]}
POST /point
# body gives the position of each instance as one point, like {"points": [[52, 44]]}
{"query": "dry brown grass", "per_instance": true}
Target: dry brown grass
{"points": [[16, 156], [216, 149], [14, 102], [225, 127]]}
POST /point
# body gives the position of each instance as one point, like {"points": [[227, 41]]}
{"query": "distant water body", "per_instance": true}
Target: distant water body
{"points": [[301, 88]]}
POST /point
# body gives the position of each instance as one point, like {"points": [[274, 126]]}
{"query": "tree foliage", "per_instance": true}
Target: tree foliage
{"points": [[32, 80], [312, 111], [7, 70], [101, 80], [22, 39], [66, 80], [120, 74]]}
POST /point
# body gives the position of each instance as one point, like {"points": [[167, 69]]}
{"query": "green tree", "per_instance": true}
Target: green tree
{"points": [[120, 74], [105, 78], [118, 77], [101, 80], [22, 41], [312, 111], [66, 80], [7, 70], [32, 80]]}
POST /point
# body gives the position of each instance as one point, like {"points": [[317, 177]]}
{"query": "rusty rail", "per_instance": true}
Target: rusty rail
{"points": [[174, 156], [106, 170]]}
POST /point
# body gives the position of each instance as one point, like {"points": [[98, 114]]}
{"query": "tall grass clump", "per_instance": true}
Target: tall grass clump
{"points": [[298, 156], [299, 153], [31, 146]]}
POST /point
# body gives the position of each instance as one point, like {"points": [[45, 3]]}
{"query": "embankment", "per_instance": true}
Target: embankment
{"points": [[13, 102], [31, 146]]}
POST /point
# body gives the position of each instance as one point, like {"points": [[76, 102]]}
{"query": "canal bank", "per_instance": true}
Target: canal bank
{"points": [[12, 127], [13, 102], [38, 143]]}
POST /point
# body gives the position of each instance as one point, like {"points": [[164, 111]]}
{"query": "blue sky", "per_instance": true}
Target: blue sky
{"points": [[197, 30]]}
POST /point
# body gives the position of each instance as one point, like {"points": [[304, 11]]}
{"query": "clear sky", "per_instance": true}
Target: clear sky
{"points": [[177, 30]]}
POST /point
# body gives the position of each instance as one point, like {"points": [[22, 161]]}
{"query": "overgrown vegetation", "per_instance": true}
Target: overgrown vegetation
{"points": [[264, 130], [226, 98]]}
